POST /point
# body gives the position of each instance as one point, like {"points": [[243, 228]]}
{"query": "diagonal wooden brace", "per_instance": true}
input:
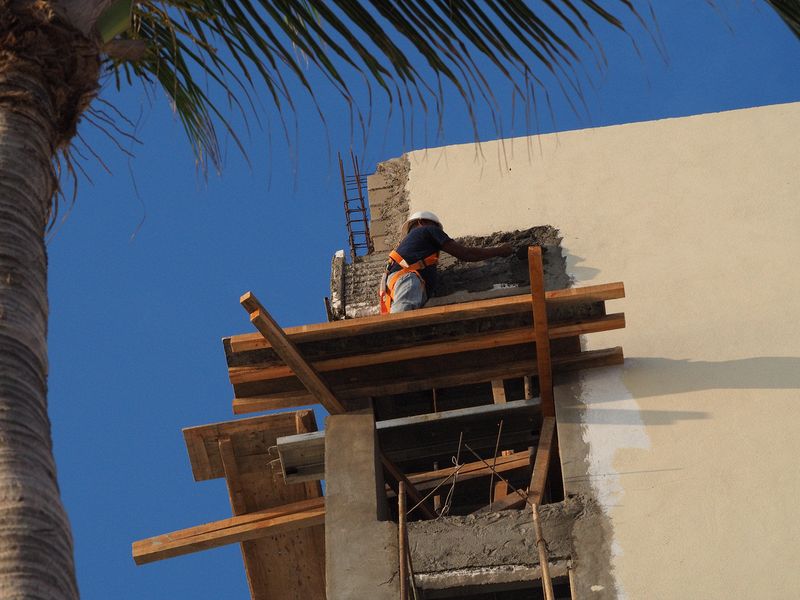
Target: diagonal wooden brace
{"points": [[289, 353]]}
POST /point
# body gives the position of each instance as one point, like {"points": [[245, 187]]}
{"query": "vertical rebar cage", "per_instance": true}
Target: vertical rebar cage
{"points": [[355, 209]]}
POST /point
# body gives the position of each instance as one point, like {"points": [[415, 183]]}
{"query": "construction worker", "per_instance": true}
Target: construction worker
{"points": [[410, 274]]}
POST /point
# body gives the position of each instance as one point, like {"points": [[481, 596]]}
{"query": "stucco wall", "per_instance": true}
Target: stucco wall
{"points": [[692, 447]]}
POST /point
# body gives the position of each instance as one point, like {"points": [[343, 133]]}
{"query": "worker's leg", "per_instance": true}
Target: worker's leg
{"points": [[409, 293]]}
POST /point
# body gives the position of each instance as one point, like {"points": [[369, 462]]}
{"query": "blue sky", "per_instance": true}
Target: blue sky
{"points": [[147, 269]]}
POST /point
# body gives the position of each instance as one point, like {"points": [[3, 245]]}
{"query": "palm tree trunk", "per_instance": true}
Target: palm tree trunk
{"points": [[35, 539], [48, 75]]}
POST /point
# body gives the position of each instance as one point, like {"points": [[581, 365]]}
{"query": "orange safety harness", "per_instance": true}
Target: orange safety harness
{"points": [[388, 281]]}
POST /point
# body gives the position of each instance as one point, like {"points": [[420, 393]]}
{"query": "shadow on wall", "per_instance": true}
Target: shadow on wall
{"points": [[633, 417], [646, 377], [578, 272]]}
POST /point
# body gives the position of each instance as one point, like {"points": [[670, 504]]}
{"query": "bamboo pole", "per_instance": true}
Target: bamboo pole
{"points": [[401, 537], [544, 561]]}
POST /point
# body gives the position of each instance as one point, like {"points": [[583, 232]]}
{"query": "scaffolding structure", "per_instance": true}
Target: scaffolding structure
{"points": [[456, 394]]}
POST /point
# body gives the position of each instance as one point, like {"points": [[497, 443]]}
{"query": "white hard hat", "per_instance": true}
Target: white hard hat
{"points": [[422, 214]]}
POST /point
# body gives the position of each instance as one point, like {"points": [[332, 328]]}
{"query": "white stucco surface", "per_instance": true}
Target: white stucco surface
{"points": [[692, 447]]}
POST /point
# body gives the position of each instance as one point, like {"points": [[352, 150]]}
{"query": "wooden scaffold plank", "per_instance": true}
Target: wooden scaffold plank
{"points": [[512, 337], [241, 528], [425, 380], [430, 316]]}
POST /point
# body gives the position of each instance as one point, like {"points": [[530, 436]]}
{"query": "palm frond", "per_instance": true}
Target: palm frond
{"points": [[789, 10], [242, 45]]}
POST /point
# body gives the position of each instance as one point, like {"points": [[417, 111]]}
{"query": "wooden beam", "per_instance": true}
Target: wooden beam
{"points": [[428, 480], [288, 352], [454, 377], [541, 464], [430, 316], [251, 439], [544, 368], [498, 391], [242, 528], [509, 337]]}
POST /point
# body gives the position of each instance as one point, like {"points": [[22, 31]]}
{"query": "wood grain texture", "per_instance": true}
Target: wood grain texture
{"points": [[544, 454], [437, 376], [254, 373], [241, 528], [284, 562], [431, 316], [543, 363], [288, 352]]}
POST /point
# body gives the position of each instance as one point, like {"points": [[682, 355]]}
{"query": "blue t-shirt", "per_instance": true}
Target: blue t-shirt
{"points": [[420, 243]]}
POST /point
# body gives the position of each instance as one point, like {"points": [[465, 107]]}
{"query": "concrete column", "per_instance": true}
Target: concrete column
{"points": [[360, 547]]}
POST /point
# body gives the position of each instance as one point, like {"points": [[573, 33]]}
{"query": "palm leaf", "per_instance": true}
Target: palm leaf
{"points": [[789, 10], [243, 45]]}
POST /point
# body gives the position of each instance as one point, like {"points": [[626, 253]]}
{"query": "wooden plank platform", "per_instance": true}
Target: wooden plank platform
{"points": [[427, 317], [476, 367], [433, 347]]}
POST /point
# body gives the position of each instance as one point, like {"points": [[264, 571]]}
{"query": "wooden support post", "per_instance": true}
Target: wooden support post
{"points": [[541, 465], [289, 353], [234, 482], [498, 391], [544, 368], [401, 538], [398, 476], [544, 560]]}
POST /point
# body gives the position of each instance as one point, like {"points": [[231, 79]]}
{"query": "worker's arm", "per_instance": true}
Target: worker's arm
{"points": [[472, 253]]}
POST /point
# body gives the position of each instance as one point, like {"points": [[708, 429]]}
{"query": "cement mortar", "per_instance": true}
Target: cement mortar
{"points": [[501, 539]]}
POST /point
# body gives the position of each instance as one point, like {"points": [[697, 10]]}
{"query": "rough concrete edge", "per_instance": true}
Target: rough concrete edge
{"points": [[388, 215], [592, 540], [487, 576], [338, 306]]}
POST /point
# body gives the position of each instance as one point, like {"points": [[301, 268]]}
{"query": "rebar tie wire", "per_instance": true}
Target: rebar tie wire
{"points": [[454, 475]]}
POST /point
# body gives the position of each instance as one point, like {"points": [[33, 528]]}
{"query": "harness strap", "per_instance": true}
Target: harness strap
{"points": [[388, 282]]}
